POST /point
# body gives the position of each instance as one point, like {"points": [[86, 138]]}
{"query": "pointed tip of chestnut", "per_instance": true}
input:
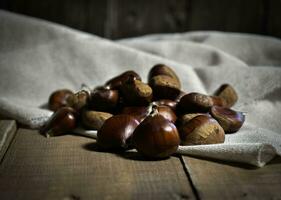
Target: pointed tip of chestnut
{"points": [[117, 81], [229, 119], [139, 112], [78, 100], [166, 102], [62, 121]]}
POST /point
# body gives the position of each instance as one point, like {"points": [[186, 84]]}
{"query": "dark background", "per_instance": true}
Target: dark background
{"points": [[126, 18]]}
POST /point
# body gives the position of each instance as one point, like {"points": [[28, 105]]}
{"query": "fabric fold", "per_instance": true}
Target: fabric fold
{"points": [[38, 57]]}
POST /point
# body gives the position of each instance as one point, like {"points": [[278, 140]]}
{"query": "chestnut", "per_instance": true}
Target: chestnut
{"points": [[58, 99], [194, 102], [104, 99], [228, 93], [218, 101], [117, 82], [201, 130], [139, 112], [161, 69], [156, 137], [61, 122], [166, 102], [94, 119], [135, 92], [78, 100], [116, 132], [167, 113], [187, 117], [164, 87], [230, 120]]}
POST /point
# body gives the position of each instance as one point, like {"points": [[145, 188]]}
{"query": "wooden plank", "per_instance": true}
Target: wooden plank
{"points": [[220, 180], [84, 15], [7, 132], [70, 167], [274, 16], [235, 15], [128, 18]]}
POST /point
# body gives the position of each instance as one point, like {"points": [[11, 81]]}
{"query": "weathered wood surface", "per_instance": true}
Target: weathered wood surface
{"points": [[70, 167], [218, 180], [7, 132], [126, 18]]}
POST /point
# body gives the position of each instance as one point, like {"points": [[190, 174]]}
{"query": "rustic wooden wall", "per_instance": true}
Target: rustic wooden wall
{"points": [[126, 18]]}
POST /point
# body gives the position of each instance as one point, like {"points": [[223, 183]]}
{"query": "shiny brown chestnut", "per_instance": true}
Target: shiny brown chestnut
{"points": [[230, 120], [201, 130], [164, 87], [58, 99], [116, 132], [187, 117], [156, 137], [61, 122], [167, 113], [218, 101], [104, 99], [78, 100], [166, 102], [94, 119], [135, 92], [228, 93], [139, 112], [194, 102], [161, 69], [117, 82]]}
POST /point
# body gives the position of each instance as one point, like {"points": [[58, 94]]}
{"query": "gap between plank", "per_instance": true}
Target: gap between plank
{"points": [[12, 129], [194, 189]]}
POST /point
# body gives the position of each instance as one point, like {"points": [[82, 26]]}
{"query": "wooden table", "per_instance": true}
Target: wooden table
{"points": [[71, 168]]}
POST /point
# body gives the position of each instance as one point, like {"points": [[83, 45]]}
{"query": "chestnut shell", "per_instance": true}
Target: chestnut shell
{"points": [[201, 130], [161, 69], [103, 99], [166, 102], [117, 81], [58, 99], [230, 120], [116, 132], [62, 121], [156, 137], [228, 93], [194, 103], [164, 87], [139, 112]]}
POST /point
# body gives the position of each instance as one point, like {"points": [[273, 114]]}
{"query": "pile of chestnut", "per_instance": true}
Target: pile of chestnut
{"points": [[154, 117]]}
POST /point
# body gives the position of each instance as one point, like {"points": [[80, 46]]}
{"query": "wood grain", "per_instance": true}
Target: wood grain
{"points": [[70, 167], [7, 132], [125, 18], [141, 17], [217, 180], [273, 22], [235, 15]]}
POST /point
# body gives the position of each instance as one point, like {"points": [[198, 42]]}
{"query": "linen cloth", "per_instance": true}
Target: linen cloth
{"points": [[38, 57]]}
